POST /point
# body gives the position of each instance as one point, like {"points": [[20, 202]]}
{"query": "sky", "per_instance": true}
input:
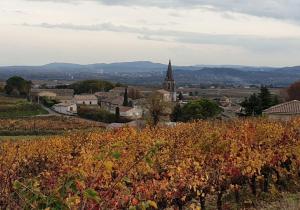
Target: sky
{"points": [[190, 32]]}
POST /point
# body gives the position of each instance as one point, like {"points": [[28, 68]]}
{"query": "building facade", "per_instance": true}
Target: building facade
{"points": [[130, 112], [86, 100], [65, 108]]}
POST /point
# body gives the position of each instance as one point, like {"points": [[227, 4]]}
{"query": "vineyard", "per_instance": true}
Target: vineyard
{"points": [[44, 125], [190, 165]]}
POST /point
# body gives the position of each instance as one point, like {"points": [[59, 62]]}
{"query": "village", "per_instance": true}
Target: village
{"points": [[130, 104], [45, 130]]}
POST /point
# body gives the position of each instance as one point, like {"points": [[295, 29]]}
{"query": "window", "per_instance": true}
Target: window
{"points": [[90, 102], [71, 109]]}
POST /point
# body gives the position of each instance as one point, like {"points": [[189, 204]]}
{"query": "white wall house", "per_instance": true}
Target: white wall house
{"points": [[66, 108], [86, 100], [130, 112]]}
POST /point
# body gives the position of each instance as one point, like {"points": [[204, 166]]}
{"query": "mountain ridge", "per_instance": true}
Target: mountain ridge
{"points": [[146, 72]]}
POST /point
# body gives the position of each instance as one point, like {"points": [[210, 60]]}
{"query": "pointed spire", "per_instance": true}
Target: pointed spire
{"points": [[169, 76]]}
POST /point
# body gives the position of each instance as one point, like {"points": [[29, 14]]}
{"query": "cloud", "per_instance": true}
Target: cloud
{"points": [[250, 42], [278, 9]]}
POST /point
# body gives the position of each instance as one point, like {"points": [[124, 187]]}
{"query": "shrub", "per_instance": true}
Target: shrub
{"points": [[97, 114], [199, 109]]}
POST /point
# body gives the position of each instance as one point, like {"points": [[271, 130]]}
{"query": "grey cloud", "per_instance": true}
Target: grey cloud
{"points": [[255, 43], [151, 38], [279, 9]]}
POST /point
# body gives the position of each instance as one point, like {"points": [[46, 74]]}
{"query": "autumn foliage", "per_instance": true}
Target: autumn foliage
{"points": [[152, 168], [293, 91]]}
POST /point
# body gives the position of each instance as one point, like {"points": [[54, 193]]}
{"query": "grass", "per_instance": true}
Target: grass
{"points": [[17, 107]]}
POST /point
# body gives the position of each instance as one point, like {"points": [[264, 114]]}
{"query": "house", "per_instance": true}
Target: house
{"points": [[111, 103], [188, 92], [225, 101], [65, 99], [86, 100], [284, 111], [130, 112], [54, 94], [65, 108]]}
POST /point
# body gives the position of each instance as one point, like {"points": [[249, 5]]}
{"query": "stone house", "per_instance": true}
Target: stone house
{"points": [[285, 111], [86, 100], [111, 103], [130, 112]]}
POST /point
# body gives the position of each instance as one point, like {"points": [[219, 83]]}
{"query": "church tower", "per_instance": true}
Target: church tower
{"points": [[169, 83]]}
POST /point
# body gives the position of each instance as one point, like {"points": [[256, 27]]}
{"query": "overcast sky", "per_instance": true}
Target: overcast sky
{"points": [[246, 32]]}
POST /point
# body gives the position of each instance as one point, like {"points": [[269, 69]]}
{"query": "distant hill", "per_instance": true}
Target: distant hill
{"points": [[148, 73]]}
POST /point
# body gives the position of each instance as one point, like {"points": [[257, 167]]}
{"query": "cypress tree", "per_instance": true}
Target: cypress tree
{"points": [[125, 102], [117, 114], [265, 97], [180, 97]]}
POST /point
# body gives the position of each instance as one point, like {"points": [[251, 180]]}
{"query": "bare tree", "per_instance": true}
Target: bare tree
{"points": [[156, 108]]}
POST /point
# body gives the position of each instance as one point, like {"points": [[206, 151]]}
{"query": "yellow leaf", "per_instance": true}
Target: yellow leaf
{"points": [[108, 165], [152, 204]]}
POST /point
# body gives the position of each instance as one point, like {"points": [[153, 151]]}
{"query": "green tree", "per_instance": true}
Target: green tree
{"points": [[17, 86], [176, 113], [180, 96], [257, 103], [96, 114], [126, 102], [91, 86], [199, 109], [252, 105], [266, 98]]}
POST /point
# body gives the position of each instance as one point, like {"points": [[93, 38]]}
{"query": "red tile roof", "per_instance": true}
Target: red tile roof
{"points": [[291, 107]]}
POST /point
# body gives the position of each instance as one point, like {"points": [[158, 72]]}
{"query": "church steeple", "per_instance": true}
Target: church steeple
{"points": [[169, 83], [169, 76]]}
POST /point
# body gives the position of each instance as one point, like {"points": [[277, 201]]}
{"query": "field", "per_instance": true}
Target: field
{"points": [[16, 107], [243, 164], [44, 125]]}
